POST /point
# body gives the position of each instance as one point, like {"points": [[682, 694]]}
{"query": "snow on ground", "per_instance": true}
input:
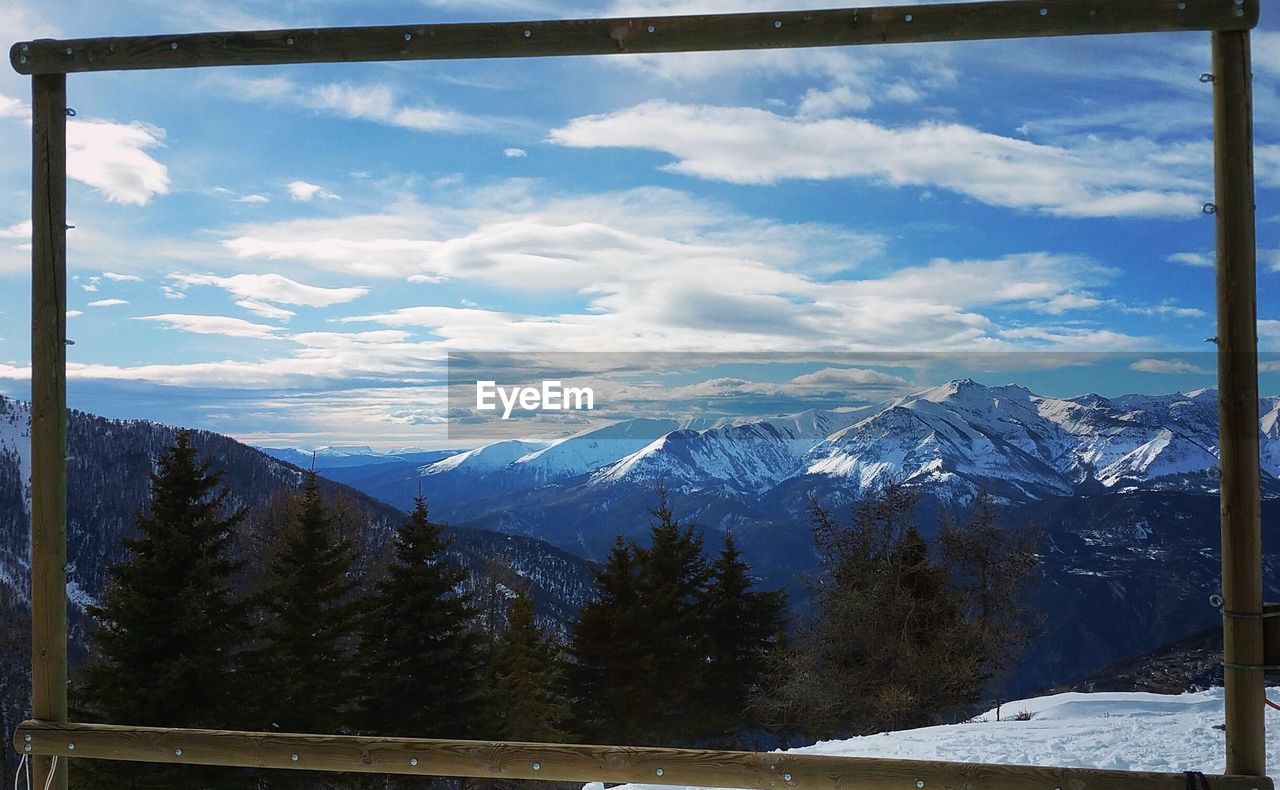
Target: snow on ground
{"points": [[1121, 731]]}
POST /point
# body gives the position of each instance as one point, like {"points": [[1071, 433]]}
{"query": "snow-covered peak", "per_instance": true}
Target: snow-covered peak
{"points": [[486, 458]]}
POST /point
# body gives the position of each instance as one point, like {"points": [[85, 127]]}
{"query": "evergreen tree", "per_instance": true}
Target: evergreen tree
{"points": [[607, 654], [672, 649], [521, 694], [308, 627], [420, 653], [671, 636], [170, 634], [745, 628]]}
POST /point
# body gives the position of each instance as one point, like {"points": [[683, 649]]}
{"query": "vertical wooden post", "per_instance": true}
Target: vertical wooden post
{"points": [[49, 409], [1238, 402]]}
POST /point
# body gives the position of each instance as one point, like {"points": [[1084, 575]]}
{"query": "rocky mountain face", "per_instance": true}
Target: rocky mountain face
{"points": [[107, 482]]}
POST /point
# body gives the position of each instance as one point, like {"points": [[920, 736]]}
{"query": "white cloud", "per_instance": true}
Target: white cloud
{"points": [[746, 145], [1165, 309], [254, 198], [13, 108], [827, 382], [108, 303], [111, 158], [122, 278], [21, 230], [656, 267], [274, 288], [213, 325], [1191, 258], [370, 102], [266, 310], [1167, 366], [1269, 333], [74, 313], [514, 153], [306, 192]]}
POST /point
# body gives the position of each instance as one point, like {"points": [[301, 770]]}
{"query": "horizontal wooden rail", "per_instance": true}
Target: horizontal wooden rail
{"points": [[885, 25], [570, 762]]}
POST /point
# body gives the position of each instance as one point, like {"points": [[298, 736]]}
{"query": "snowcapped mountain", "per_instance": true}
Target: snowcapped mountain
{"points": [[952, 440], [346, 456]]}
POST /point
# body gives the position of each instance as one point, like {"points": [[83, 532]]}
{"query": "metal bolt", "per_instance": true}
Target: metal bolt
{"points": [[660, 772], [27, 738], [1209, 208], [174, 45], [777, 23], [289, 41], [528, 34], [293, 757], [408, 37], [650, 28], [71, 747], [67, 50], [919, 783], [1182, 6], [26, 47], [907, 17], [26, 748], [413, 761], [1044, 12], [537, 766], [177, 752], [786, 777], [22, 58]]}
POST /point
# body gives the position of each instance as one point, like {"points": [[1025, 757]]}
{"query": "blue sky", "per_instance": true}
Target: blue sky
{"points": [[287, 254]]}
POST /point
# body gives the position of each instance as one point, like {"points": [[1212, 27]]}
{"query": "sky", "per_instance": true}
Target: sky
{"points": [[288, 254]]}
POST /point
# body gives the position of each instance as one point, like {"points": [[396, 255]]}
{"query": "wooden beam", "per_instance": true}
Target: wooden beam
{"points": [[1241, 505], [571, 762], [49, 405], [885, 25]]}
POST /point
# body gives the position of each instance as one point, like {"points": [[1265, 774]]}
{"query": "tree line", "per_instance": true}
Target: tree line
{"points": [[272, 621]]}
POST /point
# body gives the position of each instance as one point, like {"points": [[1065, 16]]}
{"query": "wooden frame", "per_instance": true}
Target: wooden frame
{"points": [[48, 62]]}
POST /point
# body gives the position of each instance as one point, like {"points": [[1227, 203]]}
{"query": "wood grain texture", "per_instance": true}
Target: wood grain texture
{"points": [[570, 762], [838, 27], [49, 405], [1241, 504]]}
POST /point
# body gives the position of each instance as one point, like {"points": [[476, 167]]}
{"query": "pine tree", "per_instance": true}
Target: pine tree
{"points": [[308, 626], [606, 653], [420, 652], [521, 694], [170, 634], [745, 629], [672, 579], [639, 652]]}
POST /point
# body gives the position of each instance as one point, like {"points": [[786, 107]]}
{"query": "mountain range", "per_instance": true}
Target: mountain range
{"points": [[952, 441], [1123, 489]]}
